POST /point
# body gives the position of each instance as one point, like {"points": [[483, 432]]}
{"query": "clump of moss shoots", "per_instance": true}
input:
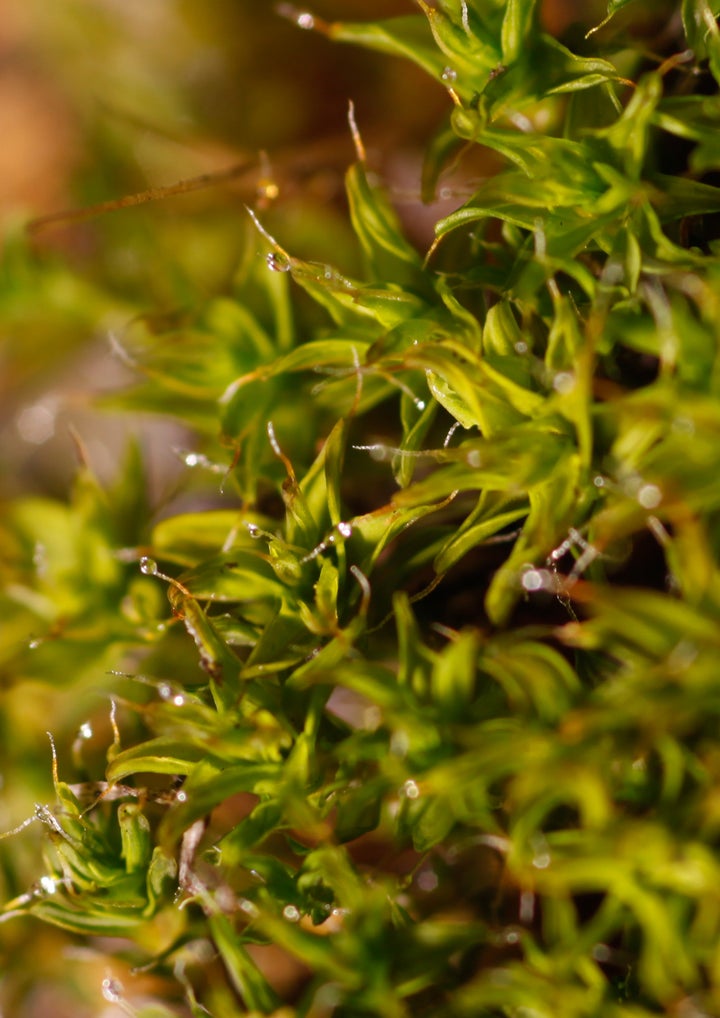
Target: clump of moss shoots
{"points": [[413, 710]]}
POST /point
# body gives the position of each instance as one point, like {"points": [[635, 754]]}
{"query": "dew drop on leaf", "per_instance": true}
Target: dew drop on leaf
{"points": [[277, 262], [303, 19], [563, 382], [344, 529], [112, 991], [533, 579], [449, 75], [171, 695], [291, 913], [267, 191], [411, 790], [148, 566], [649, 496]]}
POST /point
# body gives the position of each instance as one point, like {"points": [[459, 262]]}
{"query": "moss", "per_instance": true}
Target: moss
{"points": [[427, 723]]}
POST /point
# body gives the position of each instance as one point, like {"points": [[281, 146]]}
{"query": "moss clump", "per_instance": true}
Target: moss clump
{"points": [[429, 725]]}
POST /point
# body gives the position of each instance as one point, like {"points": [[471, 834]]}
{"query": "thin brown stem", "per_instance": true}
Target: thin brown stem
{"points": [[141, 197]]}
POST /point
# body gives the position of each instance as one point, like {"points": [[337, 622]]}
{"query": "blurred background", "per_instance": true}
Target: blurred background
{"points": [[105, 98], [102, 99]]}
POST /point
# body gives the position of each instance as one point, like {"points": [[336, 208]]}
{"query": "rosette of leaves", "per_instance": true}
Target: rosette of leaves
{"points": [[433, 708]]}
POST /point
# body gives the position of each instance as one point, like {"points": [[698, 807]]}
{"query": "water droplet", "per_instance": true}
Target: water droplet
{"points": [[449, 75], [427, 880], [474, 459], [253, 530], [37, 642], [170, 694], [411, 790], [112, 991], [267, 190], [278, 262], [420, 404], [649, 496], [303, 19], [541, 861], [599, 481], [291, 913], [525, 125], [193, 459], [181, 797], [36, 424], [85, 731], [563, 382], [344, 529], [535, 579], [248, 907], [521, 346], [148, 566], [49, 884]]}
